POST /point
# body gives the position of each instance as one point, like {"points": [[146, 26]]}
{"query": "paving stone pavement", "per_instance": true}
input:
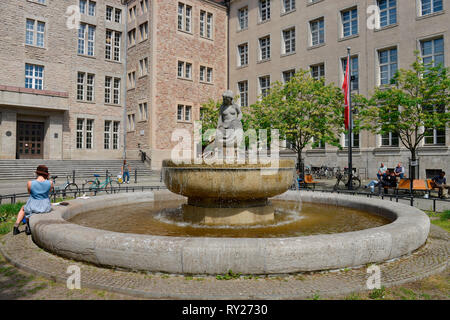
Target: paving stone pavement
{"points": [[432, 258]]}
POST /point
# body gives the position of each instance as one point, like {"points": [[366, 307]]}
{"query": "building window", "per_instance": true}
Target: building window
{"points": [[34, 76], [243, 54], [431, 6], [209, 75], [388, 12], [131, 80], [264, 10], [355, 140], [113, 14], [80, 131], [35, 33], [318, 71], [87, 7], [131, 122], [143, 111], [184, 70], [389, 139], [432, 52], [354, 72], [264, 85], [317, 28], [85, 132], [86, 32], [184, 17], [317, 143], [112, 90], [206, 24], [264, 48], [132, 37], [144, 6], [112, 46], [243, 18], [143, 67], [132, 13], [206, 74], [287, 75], [387, 60], [143, 31], [288, 5], [289, 41], [116, 126], [349, 22], [202, 73], [107, 135], [111, 132], [434, 136], [184, 113], [243, 93], [85, 86]]}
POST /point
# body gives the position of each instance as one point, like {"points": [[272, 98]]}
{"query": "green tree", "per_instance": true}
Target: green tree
{"points": [[301, 109], [416, 101], [209, 115]]}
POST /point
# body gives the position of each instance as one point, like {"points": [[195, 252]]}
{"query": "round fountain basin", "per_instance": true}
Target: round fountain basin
{"points": [[215, 255], [206, 184]]}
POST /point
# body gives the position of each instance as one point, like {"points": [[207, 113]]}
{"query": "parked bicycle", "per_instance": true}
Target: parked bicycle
{"points": [[67, 189], [93, 187], [342, 179]]}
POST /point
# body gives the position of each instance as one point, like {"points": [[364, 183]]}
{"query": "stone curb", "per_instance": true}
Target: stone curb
{"points": [[431, 259]]}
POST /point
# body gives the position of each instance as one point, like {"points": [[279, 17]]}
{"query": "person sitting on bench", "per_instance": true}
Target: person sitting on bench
{"points": [[441, 182], [389, 181]]}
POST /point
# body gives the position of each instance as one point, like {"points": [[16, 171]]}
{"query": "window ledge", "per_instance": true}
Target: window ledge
{"points": [[34, 46], [206, 82], [112, 105], [242, 30], [287, 12], [184, 122], [263, 21], [185, 79], [131, 46], [113, 61], [433, 147], [185, 32], [142, 41], [316, 46], [86, 56], [353, 36], [35, 1], [129, 89], [262, 61], [84, 101], [206, 38], [287, 54], [430, 15], [242, 67], [386, 27], [143, 76], [313, 2], [386, 149]]}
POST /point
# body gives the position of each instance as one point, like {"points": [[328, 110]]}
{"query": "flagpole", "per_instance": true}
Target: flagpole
{"points": [[350, 121]]}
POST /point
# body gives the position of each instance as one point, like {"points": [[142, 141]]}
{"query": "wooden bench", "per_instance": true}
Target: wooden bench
{"points": [[418, 185], [309, 181], [432, 186]]}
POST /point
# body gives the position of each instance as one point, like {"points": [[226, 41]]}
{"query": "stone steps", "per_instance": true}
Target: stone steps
{"points": [[24, 169]]}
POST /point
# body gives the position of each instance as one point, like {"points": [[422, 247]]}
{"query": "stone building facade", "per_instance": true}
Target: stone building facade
{"points": [[62, 88], [187, 58], [271, 38], [52, 84]]}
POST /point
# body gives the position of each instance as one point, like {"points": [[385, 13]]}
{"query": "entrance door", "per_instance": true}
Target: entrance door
{"points": [[30, 140]]}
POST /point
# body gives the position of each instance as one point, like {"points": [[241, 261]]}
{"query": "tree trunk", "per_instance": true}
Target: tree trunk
{"points": [[300, 165], [412, 169]]}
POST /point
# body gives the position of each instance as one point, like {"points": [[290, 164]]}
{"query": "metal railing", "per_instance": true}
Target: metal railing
{"points": [[73, 194]]}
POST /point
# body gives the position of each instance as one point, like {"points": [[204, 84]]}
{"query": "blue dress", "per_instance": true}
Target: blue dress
{"points": [[39, 201]]}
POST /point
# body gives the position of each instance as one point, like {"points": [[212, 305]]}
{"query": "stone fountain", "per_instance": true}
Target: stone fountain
{"points": [[228, 193]]}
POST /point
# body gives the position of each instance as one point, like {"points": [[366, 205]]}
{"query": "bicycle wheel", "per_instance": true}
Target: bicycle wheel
{"points": [[115, 186], [90, 188], [356, 183], [71, 191]]}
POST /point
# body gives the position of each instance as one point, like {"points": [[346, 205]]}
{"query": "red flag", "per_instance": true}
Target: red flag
{"points": [[345, 87]]}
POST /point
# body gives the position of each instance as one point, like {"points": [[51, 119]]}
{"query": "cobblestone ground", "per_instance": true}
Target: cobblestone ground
{"points": [[100, 283]]}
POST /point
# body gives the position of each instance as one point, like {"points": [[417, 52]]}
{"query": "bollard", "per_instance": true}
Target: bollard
{"points": [[73, 176], [434, 205], [135, 175]]}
